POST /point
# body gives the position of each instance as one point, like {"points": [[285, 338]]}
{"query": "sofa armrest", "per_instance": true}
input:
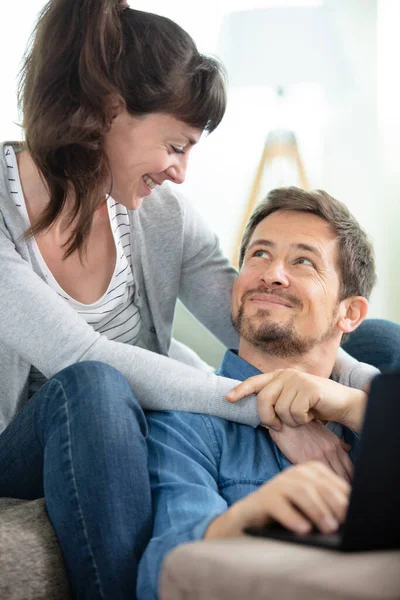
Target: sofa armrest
{"points": [[247, 568], [31, 564]]}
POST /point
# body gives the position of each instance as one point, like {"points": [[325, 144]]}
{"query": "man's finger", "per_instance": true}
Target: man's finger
{"points": [[335, 498], [345, 459], [348, 465], [287, 515], [337, 465], [315, 507], [319, 471], [346, 447]]}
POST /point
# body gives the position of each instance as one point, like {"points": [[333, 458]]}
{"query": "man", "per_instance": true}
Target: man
{"points": [[307, 270]]}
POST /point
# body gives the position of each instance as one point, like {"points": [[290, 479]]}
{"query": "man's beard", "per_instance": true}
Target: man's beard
{"points": [[277, 339]]}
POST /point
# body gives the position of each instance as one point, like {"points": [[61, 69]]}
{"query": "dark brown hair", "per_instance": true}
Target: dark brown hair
{"points": [[80, 53], [355, 253]]}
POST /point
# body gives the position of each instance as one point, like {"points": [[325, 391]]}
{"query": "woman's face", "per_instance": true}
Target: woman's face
{"points": [[144, 152]]}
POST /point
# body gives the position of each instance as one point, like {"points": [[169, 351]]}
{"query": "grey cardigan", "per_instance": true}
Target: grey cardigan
{"points": [[174, 255]]}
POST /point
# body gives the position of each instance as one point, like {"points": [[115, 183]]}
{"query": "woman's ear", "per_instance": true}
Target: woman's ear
{"points": [[354, 310], [115, 106]]}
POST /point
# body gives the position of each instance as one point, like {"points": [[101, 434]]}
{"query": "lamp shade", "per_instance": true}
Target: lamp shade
{"points": [[283, 46]]}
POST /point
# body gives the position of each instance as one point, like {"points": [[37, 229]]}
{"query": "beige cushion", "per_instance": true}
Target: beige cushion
{"points": [[31, 565], [253, 569]]}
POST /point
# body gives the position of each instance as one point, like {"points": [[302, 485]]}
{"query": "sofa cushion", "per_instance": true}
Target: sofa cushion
{"points": [[31, 563], [270, 570]]}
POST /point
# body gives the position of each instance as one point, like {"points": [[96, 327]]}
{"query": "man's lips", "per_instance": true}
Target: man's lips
{"points": [[269, 298]]}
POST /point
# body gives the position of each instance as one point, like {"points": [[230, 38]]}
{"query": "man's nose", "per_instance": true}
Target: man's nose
{"points": [[177, 172], [275, 275]]}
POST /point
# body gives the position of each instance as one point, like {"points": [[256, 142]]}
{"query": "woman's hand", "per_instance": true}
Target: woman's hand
{"points": [[314, 442], [293, 397], [299, 498]]}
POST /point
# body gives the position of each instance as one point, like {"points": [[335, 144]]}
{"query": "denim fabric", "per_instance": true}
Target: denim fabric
{"points": [[199, 466], [376, 342], [81, 442]]}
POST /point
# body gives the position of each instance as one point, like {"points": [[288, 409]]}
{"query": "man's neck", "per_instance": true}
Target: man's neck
{"points": [[318, 361]]}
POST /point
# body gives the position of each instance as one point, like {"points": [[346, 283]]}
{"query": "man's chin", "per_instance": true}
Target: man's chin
{"points": [[273, 336], [273, 322]]}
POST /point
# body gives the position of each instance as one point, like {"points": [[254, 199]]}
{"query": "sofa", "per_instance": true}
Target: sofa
{"points": [[242, 568], [31, 564]]}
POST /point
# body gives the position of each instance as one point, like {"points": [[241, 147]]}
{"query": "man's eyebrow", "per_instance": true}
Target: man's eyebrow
{"points": [[269, 244], [308, 248], [260, 242]]}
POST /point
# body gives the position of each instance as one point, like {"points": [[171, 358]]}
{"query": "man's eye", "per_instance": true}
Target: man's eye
{"points": [[304, 261], [261, 253], [177, 150]]}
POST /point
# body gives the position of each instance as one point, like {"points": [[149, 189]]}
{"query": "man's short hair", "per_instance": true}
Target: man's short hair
{"points": [[355, 253]]}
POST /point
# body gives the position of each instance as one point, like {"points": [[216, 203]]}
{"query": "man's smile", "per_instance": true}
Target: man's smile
{"points": [[264, 298]]}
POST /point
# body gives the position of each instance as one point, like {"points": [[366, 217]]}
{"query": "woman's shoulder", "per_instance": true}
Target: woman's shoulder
{"points": [[9, 215], [5, 149]]}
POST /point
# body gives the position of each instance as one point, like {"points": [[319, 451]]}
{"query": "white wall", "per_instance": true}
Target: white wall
{"points": [[388, 102], [345, 150], [353, 153], [16, 23], [352, 170]]}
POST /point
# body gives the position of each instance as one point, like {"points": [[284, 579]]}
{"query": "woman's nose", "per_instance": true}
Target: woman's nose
{"points": [[177, 172]]}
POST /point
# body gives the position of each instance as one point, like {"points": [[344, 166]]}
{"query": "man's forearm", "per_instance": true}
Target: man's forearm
{"points": [[225, 525]]}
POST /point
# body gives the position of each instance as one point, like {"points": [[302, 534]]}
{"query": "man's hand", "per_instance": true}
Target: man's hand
{"points": [[314, 442], [298, 498], [292, 397]]}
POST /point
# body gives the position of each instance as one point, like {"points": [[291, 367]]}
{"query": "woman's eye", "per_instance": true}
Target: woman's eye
{"points": [[304, 261], [177, 150]]}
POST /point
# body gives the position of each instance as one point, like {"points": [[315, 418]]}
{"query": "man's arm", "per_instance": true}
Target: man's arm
{"points": [[183, 466], [184, 456], [299, 497], [329, 444]]}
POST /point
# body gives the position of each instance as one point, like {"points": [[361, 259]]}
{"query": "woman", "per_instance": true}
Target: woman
{"points": [[113, 101]]}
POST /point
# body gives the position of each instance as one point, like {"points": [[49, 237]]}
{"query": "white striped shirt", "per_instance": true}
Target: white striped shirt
{"points": [[116, 314]]}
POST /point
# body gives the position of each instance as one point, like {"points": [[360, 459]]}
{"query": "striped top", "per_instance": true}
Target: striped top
{"points": [[116, 314]]}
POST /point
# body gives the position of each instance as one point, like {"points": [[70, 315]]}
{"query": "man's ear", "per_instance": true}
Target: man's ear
{"points": [[352, 313]]}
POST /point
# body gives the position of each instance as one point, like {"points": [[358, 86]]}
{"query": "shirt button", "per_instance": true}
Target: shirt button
{"points": [[152, 329]]}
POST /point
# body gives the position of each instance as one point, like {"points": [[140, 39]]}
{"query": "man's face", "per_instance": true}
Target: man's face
{"points": [[286, 297]]}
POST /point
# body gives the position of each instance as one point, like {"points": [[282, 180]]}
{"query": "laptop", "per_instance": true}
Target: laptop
{"points": [[373, 516]]}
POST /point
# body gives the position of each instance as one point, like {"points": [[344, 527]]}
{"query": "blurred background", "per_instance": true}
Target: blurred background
{"points": [[313, 100]]}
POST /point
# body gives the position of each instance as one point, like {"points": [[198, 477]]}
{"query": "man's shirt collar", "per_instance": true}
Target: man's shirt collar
{"points": [[234, 367]]}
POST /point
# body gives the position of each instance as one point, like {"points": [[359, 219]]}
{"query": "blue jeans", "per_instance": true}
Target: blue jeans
{"points": [[376, 342], [81, 443]]}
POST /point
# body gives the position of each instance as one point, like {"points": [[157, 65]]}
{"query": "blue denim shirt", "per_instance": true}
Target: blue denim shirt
{"points": [[199, 466]]}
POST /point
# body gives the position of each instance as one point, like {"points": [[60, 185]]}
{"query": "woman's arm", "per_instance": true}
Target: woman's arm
{"points": [[47, 333]]}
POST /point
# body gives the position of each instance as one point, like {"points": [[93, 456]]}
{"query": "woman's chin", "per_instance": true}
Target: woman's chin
{"points": [[130, 203], [137, 203]]}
